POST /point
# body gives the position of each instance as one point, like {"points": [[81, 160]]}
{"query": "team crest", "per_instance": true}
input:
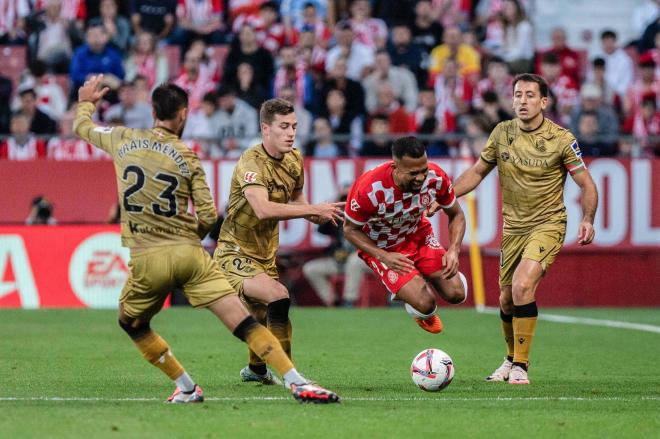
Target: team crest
{"points": [[355, 206], [392, 277], [293, 171], [504, 155], [426, 200], [250, 177], [540, 145], [432, 242]]}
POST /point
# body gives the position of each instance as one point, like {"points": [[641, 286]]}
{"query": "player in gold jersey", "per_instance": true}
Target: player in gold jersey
{"points": [[266, 187], [157, 175], [533, 156]]}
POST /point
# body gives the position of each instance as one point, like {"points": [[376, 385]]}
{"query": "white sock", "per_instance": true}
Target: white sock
{"points": [[412, 312], [465, 286], [293, 377], [185, 383]]}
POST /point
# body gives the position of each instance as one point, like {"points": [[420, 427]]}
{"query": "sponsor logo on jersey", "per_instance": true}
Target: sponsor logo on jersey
{"points": [[576, 149], [355, 206], [392, 277], [529, 162], [250, 177], [432, 241]]}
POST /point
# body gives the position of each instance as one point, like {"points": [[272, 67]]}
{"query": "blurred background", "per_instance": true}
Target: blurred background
{"points": [[359, 73]]}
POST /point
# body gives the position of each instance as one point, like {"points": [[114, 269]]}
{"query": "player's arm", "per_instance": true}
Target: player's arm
{"points": [[263, 208], [205, 209], [587, 186], [471, 178], [299, 197], [83, 125], [456, 232]]}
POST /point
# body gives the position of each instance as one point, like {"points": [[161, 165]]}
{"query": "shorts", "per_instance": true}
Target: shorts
{"points": [[542, 244], [237, 267], [422, 247], [155, 272]]}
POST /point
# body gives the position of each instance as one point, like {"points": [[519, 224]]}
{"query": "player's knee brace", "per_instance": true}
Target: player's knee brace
{"points": [[243, 328], [135, 332], [278, 311]]}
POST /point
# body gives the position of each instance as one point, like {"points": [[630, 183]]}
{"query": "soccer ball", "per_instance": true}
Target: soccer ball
{"points": [[432, 370]]}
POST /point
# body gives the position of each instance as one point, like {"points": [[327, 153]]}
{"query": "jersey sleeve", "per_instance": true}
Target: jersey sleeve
{"points": [[102, 137], [571, 155], [300, 183], [489, 154], [201, 198], [445, 195], [250, 173], [359, 208]]}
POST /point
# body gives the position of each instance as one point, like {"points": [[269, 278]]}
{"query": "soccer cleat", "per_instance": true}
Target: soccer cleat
{"points": [[432, 324], [268, 379], [310, 392], [502, 372], [179, 397], [518, 375]]}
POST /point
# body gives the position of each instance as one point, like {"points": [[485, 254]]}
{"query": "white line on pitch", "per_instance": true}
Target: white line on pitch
{"points": [[283, 398], [585, 321]]}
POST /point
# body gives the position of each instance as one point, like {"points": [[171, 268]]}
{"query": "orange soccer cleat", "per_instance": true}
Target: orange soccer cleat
{"points": [[432, 324]]}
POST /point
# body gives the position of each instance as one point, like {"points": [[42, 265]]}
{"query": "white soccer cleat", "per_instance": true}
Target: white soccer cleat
{"points": [[518, 375], [502, 372], [268, 379], [180, 397]]}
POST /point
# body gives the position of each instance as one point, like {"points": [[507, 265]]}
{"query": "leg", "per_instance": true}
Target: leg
{"points": [[420, 304], [506, 319], [452, 290], [316, 272], [526, 279]]}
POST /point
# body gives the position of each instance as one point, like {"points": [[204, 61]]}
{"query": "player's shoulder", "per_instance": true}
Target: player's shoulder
{"points": [[254, 153], [504, 127], [555, 129]]}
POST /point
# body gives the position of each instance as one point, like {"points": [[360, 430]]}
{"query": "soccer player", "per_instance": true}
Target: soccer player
{"points": [[386, 222], [266, 187], [533, 156], [157, 175]]}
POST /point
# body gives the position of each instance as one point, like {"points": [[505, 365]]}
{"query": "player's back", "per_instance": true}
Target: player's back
{"points": [[157, 175]]}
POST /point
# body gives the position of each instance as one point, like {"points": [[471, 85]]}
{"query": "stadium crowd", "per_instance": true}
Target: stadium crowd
{"points": [[358, 72]]}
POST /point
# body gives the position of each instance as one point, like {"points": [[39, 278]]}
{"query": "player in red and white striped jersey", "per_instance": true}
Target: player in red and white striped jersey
{"points": [[386, 220]]}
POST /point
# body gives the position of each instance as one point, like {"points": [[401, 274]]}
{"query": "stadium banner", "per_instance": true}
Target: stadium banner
{"points": [[628, 215]]}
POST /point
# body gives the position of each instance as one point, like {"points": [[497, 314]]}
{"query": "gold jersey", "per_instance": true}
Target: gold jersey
{"points": [[532, 167], [242, 232], [157, 175]]}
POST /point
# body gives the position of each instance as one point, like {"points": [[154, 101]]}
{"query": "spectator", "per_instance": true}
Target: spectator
{"points": [[340, 258], [344, 123], [294, 12], [372, 32], [498, 80], [647, 83], [454, 49], [41, 212], [618, 65], [591, 100], [493, 111], [424, 118], [352, 90], [379, 143], [518, 42], [569, 59], [405, 53], [146, 61], [359, 58], [644, 125], [563, 87], [96, 56], [270, 34], [195, 79], [426, 30], [38, 121], [312, 52], [129, 112], [198, 20], [322, 146], [50, 96], [155, 16], [597, 77], [21, 145], [293, 73], [312, 22], [201, 126], [246, 49], [386, 103], [53, 37], [74, 11], [303, 116], [236, 122], [5, 109], [453, 94], [590, 137], [247, 89], [401, 79], [117, 26], [12, 22], [477, 129]]}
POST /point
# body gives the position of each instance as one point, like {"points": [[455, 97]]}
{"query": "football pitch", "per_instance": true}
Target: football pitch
{"points": [[74, 373]]}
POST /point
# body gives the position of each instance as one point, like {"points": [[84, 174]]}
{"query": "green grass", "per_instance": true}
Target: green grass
{"points": [[362, 354]]}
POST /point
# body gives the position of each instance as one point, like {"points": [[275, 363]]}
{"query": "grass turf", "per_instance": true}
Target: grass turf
{"points": [[587, 381]]}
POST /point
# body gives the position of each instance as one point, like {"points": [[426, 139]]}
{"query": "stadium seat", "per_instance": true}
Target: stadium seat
{"points": [[13, 62]]}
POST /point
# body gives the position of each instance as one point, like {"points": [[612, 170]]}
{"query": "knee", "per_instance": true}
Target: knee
{"points": [[277, 292], [134, 331], [456, 294], [506, 304], [522, 291], [424, 303]]}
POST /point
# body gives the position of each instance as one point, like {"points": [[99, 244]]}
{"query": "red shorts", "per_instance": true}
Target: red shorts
{"points": [[422, 247]]}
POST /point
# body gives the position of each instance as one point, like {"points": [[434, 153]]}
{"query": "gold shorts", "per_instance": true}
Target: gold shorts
{"points": [[541, 244], [237, 267], [157, 271]]}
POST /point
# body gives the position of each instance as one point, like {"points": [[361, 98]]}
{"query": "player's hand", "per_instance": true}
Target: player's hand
{"points": [[333, 212], [90, 91], [449, 264], [397, 262], [432, 209], [586, 233]]}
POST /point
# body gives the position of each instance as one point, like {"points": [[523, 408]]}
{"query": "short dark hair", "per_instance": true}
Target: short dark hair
{"points": [[599, 62], [550, 58], [269, 5], [167, 99], [608, 34], [272, 107], [409, 146], [530, 77]]}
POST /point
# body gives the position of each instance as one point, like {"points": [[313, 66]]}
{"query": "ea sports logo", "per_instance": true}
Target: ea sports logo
{"points": [[99, 269]]}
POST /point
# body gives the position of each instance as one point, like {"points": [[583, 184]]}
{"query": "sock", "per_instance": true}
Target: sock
{"points": [[507, 330], [156, 351], [256, 364], [415, 314], [524, 326], [278, 322], [293, 377], [185, 383], [264, 344]]}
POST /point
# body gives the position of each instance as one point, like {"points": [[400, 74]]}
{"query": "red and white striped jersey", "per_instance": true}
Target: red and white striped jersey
{"points": [[10, 12], [33, 149], [206, 81], [199, 11], [369, 31], [387, 214], [71, 9], [270, 37]]}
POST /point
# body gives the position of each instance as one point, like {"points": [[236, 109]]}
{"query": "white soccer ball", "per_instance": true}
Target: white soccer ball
{"points": [[432, 370]]}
